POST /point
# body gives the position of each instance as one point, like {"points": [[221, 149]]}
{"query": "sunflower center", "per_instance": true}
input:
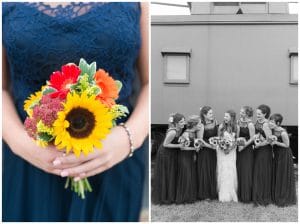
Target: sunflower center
{"points": [[82, 122]]}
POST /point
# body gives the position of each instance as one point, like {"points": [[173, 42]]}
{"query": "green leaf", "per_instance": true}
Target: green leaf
{"points": [[48, 90], [123, 109], [89, 69], [83, 65], [45, 137], [119, 85], [92, 69]]}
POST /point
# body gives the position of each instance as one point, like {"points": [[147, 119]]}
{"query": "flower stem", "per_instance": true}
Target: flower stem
{"points": [[79, 187]]}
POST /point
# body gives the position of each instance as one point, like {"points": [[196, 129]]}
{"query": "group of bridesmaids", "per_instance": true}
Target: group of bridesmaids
{"points": [[265, 171]]}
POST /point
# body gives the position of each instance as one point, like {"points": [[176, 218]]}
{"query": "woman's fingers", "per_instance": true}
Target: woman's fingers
{"points": [[96, 171], [85, 167], [66, 166], [71, 159]]}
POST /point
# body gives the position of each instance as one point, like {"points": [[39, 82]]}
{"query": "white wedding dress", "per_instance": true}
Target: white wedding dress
{"points": [[227, 176]]}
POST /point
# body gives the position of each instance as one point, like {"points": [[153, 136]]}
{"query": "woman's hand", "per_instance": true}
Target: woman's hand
{"points": [[214, 147], [115, 149], [240, 148], [41, 158]]}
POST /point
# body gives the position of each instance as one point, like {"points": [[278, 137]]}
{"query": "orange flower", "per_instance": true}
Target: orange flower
{"points": [[109, 89]]}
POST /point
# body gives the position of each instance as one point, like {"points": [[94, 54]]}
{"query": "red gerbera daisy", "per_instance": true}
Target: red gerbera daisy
{"points": [[61, 81]]}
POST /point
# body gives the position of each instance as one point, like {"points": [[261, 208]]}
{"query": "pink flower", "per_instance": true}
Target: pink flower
{"points": [[48, 109], [30, 126]]}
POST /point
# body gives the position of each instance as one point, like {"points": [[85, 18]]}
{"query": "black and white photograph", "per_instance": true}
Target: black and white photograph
{"points": [[224, 111]]}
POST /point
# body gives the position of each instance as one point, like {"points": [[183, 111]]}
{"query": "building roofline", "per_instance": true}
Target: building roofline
{"points": [[225, 19]]}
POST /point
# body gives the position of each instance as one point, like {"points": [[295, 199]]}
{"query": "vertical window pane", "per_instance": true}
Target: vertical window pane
{"points": [[294, 69], [176, 67]]}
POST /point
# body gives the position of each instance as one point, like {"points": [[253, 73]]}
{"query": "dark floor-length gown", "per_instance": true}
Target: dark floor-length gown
{"points": [[39, 39], [283, 184], [244, 165], [187, 174], [206, 168], [262, 171], [166, 172]]}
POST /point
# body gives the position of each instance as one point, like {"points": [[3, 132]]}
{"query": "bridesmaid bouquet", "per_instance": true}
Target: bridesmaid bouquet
{"points": [[214, 141], [184, 140], [257, 139], [271, 139], [197, 143], [241, 141], [75, 111]]}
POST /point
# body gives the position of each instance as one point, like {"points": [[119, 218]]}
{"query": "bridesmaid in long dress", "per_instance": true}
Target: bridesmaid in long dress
{"points": [[283, 184], [207, 158], [187, 176], [262, 167], [245, 155], [165, 171]]}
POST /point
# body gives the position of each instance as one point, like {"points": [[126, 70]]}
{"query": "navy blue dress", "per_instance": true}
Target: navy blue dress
{"points": [[283, 181], [206, 167], [187, 174], [262, 171], [39, 39], [244, 165], [166, 173]]}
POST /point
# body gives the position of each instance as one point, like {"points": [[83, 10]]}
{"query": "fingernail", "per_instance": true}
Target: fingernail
{"points": [[77, 179], [56, 162], [64, 173]]}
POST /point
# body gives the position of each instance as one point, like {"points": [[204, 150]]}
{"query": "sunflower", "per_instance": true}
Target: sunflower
{"points": [[82, 124], [31, 101]]}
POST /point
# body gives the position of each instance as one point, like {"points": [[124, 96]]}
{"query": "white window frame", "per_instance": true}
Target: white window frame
{"points": [[166, 52], [293, 77]]}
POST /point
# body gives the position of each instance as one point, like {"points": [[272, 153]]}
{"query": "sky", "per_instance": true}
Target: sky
{"points": [[158, 9]]}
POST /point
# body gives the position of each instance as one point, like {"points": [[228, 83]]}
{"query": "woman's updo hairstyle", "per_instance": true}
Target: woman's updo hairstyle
{"points": [[265, 109], [204, 110]]}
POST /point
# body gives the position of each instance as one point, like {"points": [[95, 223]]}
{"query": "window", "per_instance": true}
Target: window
{"points": [[294, 66], [176, 65]]}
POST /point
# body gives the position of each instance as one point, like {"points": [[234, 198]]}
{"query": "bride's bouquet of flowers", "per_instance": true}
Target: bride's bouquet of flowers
{"points": [[74, 111], [226, 143]]}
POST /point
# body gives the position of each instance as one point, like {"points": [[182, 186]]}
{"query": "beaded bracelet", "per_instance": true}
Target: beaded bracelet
{"points": [[128, 132]]}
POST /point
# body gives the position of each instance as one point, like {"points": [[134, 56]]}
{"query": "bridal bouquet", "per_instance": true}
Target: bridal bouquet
{"points": [[75, 110], [226, 143]]}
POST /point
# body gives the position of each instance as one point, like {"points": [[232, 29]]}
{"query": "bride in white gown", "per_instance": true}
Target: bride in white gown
{"points": [[227, 183]]}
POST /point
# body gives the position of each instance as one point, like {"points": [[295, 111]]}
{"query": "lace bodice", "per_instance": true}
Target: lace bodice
{"points": [[259, 128], [39, 39], [244, 129], [210, 131]]}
